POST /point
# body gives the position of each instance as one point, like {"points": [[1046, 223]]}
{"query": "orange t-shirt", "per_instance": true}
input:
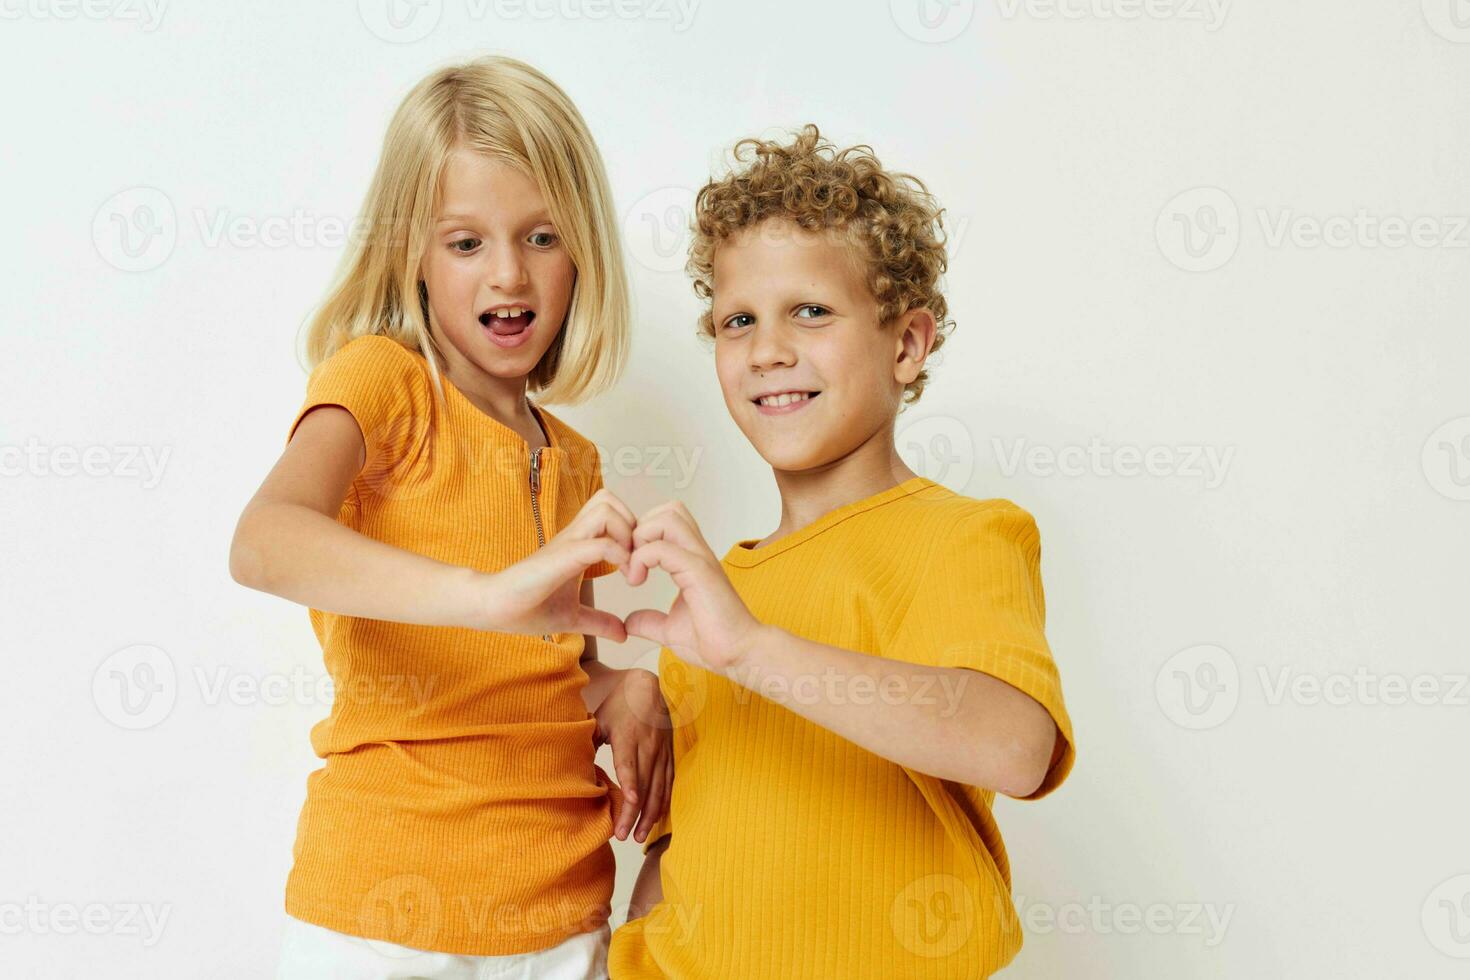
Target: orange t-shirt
{"points": [[460, 809]]}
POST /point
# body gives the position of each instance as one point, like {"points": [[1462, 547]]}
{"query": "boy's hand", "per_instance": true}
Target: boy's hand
{"points": [[635, 720], [540, 593], [708, 625]]}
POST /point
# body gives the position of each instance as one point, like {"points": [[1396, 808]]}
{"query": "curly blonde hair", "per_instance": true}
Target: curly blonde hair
{"points": [[891, 217]]}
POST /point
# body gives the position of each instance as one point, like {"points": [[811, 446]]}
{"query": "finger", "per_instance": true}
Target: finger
{"points": [[610, 499], [650, 624], [600, 623], [597, 520], [627, 770], [589, 551], [653, 806], [682, 565]]}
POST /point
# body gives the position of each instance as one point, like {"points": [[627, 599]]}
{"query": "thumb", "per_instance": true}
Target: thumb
{"points": [[650, 624], [600, 622]]}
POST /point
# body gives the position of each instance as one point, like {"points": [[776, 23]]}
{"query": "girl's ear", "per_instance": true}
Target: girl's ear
{"points": [[916, 332]]}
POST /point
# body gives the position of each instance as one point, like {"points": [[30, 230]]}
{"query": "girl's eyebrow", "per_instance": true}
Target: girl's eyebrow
{"points": [[539, 218]]}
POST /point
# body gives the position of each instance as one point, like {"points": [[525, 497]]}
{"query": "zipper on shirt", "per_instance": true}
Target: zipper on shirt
{"points": [[536, 506]]}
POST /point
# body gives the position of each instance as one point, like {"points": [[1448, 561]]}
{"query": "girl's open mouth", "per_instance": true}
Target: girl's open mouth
{"points": [[508, 326]]}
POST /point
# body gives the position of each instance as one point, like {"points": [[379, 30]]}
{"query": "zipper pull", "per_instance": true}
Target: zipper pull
{"points": [[536, 470]]}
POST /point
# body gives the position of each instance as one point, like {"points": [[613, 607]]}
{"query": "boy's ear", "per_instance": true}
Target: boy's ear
{"points": [[916, 331]]}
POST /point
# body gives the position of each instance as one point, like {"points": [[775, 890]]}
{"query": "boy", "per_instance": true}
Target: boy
{"points": [[850, 692]]}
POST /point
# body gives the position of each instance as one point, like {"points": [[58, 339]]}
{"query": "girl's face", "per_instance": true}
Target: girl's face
{"points": [[498, 277]]}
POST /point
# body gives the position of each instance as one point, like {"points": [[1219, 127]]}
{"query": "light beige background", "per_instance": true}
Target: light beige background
{"points": [[1228, 238]]}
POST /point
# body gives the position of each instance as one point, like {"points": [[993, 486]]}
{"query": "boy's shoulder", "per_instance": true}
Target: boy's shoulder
{"points": [[942, 509]]}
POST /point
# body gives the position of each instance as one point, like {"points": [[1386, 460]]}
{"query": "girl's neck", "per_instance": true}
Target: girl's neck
{"points": [[502, 399]]}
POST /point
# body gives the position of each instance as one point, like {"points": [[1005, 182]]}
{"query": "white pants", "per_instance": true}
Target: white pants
{"points": [[311, 952]]}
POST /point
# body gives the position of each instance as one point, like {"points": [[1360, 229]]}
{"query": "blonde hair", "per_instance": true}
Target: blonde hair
{"points": [[510, 111], [892, 220]]}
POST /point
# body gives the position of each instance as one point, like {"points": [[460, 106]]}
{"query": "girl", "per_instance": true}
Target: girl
{"points": [[443, 530]]}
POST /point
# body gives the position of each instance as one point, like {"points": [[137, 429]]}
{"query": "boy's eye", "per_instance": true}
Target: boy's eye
{"points": [[820, 311], [465, 244], [740, 320], [543, 239]]}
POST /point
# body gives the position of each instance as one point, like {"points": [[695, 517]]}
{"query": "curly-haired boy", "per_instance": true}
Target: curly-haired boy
{"points": [[850, 692]]}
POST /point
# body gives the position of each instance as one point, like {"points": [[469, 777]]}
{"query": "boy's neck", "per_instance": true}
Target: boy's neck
{"points": [[808, 495]]}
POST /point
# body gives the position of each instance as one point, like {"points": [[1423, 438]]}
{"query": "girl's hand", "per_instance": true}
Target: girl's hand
{"points": [[708, 625], [540, 595], [634, 718]]}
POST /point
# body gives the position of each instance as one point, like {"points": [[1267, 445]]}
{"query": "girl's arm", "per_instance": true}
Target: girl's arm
{"points": [[648, 890], [289, 543]]}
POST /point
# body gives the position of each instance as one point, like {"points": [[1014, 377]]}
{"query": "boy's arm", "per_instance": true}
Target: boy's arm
{"points": [[949, 722]]}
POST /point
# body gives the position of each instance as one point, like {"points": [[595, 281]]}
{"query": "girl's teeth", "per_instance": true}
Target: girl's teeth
{"points": [[777, 401]]}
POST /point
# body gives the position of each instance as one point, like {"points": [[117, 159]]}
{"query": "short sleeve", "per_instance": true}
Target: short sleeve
{"points": [[979, 605], [385, 388], [594, 484]]}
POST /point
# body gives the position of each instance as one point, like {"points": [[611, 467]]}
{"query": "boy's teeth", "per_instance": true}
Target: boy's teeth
{"points": [[776, 401]]}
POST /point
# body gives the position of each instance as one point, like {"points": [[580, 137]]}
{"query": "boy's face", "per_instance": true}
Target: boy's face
{"points": [[793, 314]]}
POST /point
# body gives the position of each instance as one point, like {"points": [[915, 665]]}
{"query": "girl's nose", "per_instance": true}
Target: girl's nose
{"points": [[504, 269]]}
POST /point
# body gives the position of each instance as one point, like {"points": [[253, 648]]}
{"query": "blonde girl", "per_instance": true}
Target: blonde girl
{"points": [[443, 530]]}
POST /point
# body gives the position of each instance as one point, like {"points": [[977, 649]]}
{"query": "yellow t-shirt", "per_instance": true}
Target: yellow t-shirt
{"points": [[459, 809], [796, 853]]}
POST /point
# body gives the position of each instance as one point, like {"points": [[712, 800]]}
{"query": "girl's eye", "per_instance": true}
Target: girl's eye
{"points": [[543, 239], [821, 311], [740, 320], [459, 246]]}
